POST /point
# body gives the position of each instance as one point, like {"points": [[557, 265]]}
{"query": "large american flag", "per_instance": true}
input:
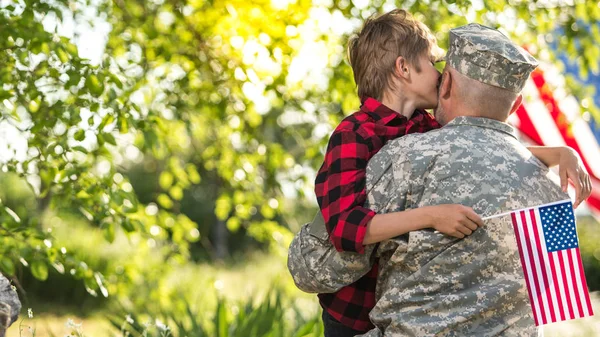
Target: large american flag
{"points": [[549, 250], [549, 116]]}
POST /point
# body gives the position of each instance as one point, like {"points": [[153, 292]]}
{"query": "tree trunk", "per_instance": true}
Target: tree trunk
{"points": [[220, 243]]}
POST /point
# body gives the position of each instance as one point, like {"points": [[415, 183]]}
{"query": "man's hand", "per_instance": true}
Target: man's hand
{"points": [[571, 169], [454, 220]]}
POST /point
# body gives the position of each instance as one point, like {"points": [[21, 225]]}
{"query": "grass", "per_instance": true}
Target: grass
{"points": [[47, 325], [236, 282], [243, 279]]}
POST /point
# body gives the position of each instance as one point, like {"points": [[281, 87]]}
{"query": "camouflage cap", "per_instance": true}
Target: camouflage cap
{"points": [[488, 56]]}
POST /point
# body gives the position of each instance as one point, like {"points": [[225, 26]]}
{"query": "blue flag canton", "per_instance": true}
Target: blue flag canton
{"points": [[558, 223]]}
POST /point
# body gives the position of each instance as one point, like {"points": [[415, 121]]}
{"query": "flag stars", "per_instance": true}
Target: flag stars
{"points": [[558, 224]]}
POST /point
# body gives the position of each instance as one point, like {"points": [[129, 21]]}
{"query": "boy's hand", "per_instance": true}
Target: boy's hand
{"points": [[571, 168], [454, 220]]}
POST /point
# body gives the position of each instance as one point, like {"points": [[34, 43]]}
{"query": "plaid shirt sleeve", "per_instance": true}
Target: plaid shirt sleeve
{"points": [[340, 190]]}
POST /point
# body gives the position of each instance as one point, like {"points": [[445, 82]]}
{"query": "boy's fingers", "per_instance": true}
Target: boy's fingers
{"points": [[474, 217], [587, 185], [470, 224], [465, 230], [564, 181], [458, 234], [578, 184]]}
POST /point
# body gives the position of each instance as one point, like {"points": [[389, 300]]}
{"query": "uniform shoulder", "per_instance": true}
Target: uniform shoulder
{"points": [[414, 141]]}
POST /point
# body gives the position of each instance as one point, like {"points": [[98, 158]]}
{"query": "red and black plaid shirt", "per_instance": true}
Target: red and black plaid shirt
{"points": [[340, 190]]}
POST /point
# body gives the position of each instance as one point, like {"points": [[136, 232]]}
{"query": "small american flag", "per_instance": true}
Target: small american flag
{"points": [[549, 249]]}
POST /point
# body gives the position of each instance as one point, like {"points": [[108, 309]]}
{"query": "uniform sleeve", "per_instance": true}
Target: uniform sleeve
{"points": [[340, 190]]}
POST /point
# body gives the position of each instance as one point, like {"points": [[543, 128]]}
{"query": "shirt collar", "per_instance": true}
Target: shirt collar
{"points": [[484, 123], [383, 114]]}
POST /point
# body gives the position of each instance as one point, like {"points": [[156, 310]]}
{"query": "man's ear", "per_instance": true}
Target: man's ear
{"points": [[516, 104], [446, 85], [401, 69]]}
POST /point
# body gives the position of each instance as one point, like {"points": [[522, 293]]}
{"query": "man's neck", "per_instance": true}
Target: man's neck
{"points": [[473, 113]]}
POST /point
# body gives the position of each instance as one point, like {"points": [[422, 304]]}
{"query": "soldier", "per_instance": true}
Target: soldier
{"points": [[430, 284]]}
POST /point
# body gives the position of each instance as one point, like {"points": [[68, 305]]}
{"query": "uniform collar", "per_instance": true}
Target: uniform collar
{"points": [[484, 123]]}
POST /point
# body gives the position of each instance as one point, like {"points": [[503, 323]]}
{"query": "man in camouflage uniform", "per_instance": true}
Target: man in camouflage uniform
{"points": [[430, 284]]}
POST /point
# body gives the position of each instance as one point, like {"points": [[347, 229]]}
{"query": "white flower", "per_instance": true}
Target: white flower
{"points": [[30, 313], [72, 325], [161, 325]]}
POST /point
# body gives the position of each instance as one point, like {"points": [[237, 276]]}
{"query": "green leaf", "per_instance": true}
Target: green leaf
{"points": [[94, 85], [39, 270], [233, 224], [72, 49], [80, 149], [127, 225], [34, 106], [176, 193], [193, 174], [123, 125], [109, 138], [79, 135], [63, 56], [109, 232], [106, 121], [223, 207], [116, 80], [100, 139], [7, 265], [165, 180], [164, 201]]}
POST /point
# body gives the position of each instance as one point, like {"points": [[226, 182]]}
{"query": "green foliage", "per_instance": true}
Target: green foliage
{"points": [[590, 251], [265, 319], [197, 117]]}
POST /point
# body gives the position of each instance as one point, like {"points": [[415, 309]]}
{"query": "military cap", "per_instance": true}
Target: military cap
{"points": [[486, 55]]}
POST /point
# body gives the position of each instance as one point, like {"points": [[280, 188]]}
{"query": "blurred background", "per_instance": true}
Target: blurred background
{"points": [[158, 156]]}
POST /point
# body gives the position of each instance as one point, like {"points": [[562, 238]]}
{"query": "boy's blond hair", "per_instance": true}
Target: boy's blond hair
{"points": [[374, 50]]}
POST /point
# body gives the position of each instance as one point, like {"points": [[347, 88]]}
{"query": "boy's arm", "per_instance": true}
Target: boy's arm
{"points": [[570, 168], [454, 220], [340, 190]]}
